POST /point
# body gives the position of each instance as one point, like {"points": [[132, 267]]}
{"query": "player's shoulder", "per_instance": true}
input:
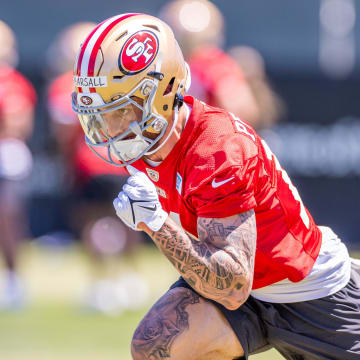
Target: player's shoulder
{"points": [[212, 63], [211, 57], [220, 134], [7, 72], [13, 82], [220, 145], [61, 84], [12, 76], [58, 97]]}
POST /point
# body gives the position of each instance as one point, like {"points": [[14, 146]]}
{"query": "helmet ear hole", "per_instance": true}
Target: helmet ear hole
{"points": [[170, 86]]}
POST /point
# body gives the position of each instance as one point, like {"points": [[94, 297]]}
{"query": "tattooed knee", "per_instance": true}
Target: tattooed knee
{"points": [[147, 342], [166, 320]]}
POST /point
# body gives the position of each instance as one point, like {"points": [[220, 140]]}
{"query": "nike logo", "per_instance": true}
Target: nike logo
{"points": [[153, 208], [215, 184]]}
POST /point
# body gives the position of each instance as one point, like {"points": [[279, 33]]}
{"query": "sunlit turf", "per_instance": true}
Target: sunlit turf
{"points": [[53, 325], [52, 332], [63, 332]]}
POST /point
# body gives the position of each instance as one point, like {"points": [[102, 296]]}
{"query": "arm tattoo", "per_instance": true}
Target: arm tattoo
{"points": [[166, 320], [221, 263]]}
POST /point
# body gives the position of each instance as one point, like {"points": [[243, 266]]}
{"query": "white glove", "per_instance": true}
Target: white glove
{"points": [[139, 202]]}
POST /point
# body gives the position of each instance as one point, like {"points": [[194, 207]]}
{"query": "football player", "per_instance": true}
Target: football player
{"points": [[256, 271], [17, 104]]}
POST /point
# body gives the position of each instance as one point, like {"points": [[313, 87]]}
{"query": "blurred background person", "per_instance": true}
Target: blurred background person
{"points": [[216, 78], [17, 103], [94, 182], [271, 107]]}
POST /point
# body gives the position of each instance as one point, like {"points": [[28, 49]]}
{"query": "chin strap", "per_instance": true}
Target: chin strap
{"points": [[175, 119]]}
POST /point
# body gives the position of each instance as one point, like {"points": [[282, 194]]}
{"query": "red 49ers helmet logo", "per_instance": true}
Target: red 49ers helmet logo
{"points": [[86, 100], [138, 52]]}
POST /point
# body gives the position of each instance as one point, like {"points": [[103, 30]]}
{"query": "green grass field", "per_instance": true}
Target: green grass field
{"points": [[54, 325]]}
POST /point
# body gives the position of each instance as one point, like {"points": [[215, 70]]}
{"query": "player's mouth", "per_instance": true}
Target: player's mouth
{"points": [[129, 137]]}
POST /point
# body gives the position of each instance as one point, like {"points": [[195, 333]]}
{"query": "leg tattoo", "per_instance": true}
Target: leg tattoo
{"points": [[166, 320]]}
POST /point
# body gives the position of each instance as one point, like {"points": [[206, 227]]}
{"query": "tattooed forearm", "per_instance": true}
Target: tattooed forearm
{"points": [[166, 320], [220, 265]]}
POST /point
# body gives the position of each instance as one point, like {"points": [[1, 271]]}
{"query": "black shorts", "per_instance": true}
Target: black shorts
{"points": [[326, 328]]}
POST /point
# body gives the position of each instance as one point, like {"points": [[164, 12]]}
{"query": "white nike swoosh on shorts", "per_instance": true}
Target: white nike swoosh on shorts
{"points": [[215, 184]]}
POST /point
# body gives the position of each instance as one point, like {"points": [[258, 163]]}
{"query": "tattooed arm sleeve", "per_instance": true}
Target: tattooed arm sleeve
{"points": [[220, 265]]}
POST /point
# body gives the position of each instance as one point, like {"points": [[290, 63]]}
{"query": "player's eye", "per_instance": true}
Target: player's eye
{"points": [[123, 111]]}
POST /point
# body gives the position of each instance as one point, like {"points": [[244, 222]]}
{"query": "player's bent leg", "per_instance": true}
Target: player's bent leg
{"points": [[183, 325]]}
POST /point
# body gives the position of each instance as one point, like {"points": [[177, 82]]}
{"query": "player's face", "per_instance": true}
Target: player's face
{"points": [[118, 121]]}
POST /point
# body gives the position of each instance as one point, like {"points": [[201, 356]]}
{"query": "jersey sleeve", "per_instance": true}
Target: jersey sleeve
{"points": [[227, 194], [222, 183]]}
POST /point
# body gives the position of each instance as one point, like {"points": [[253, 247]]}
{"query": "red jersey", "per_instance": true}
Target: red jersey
{"points": [[220, 167], [213, 70], [59, 100], [16, 92]]}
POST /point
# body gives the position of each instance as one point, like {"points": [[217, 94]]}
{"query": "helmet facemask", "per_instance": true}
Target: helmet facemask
{"points": [[136, 141]]}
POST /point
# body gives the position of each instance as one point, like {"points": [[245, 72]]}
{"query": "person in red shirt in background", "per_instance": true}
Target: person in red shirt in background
{"points": [[95, 183], [17, 103], [199, 28], [271, 106], [217, 78]]}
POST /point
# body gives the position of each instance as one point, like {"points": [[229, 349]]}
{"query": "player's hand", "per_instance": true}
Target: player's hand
{"points": [[139, 202]]}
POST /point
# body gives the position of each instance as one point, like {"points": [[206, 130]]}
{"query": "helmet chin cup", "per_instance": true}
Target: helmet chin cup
{"points": [[127, 150]]}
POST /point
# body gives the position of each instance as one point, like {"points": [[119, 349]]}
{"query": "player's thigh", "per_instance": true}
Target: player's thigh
{"points": [[183, 325]]}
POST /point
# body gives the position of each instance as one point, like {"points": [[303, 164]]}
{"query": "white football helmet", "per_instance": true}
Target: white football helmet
{"points": [[129, 64]]}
